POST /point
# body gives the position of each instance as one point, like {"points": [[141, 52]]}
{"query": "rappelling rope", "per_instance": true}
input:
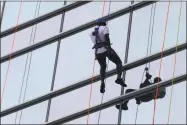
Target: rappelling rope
{"points": [[106, 71], [26, 62], [161, 62], [174, 63], [13, 43], [148, 51], [93, 76], [39, 3]]}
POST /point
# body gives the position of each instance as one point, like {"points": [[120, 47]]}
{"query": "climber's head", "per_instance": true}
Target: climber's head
{"points": [[101, 22]]}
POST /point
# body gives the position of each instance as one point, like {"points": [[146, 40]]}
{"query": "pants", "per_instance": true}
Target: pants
{"points": [[112, 56]]}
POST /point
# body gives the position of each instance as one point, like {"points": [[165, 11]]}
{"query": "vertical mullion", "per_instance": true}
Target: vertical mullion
{"points": [[55, 65], [2, 12], [126, 58]]}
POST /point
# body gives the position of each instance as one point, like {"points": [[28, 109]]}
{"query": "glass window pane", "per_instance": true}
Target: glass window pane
{"points": [[108, 116], [39, 79], [33, 115], [91, 11], [44, 30], [27, 12], [67, 104], [133, 79], [140, 28], [49, 6]]}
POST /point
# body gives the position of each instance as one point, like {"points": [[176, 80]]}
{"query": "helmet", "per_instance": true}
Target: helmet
{"points": [[101, 20]]}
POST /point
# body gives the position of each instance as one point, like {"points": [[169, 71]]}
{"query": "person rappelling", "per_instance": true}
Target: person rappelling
{"points": [[100, 38], [147, 97]]}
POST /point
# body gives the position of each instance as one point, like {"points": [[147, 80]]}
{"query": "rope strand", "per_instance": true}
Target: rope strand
{"points": [[93, 76], [26, 62], [148, 52], [106, 70], [161, 62], [29, 63], [13, 42], [175, 59]]}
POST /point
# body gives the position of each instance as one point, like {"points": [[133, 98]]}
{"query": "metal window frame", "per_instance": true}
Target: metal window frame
{"points": [[43, 18], [119, 99], [75, 30], [126, 59], [78, 85], [55, 64]]}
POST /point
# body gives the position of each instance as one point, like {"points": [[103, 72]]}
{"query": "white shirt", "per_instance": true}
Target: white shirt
{"points": [[102, 31]]}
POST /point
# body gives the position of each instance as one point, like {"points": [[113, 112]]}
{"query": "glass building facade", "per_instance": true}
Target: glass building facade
{"points": [[48, 77]]}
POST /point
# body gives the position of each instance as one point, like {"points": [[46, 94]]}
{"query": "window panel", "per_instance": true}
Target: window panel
{"points": [[22, 38], [76, 59], [12, 8], [91, 11], [32, 115], [118, 36], [39, 80], [67, 104], [49, 6], [9, 119], [139, 33], [27, 12], [108, 116], [12, 90], [140, 29], [133, 80]]}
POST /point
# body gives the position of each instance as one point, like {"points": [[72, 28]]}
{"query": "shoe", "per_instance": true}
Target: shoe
{"points": [[148, 76], [123, 107], [138, 102], [120, 81], [102, 88]]}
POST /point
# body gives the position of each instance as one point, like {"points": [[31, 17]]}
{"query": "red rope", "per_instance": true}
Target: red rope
{"points": [[13, 42], [161, 63], [93, 75]]}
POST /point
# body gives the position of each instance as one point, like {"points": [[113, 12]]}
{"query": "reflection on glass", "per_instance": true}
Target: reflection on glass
{"points": [[145, 111]]}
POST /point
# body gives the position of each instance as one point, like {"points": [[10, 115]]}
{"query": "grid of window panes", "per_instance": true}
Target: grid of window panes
{"points": [[31, 75]]}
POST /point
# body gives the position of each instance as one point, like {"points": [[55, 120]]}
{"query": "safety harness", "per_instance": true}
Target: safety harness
{"points": [[98, 43]]}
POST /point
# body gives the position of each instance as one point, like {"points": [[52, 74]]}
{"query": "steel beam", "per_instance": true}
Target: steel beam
{"points": [[75, 30], [72, 87], [120, 99], [43, 18]]}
